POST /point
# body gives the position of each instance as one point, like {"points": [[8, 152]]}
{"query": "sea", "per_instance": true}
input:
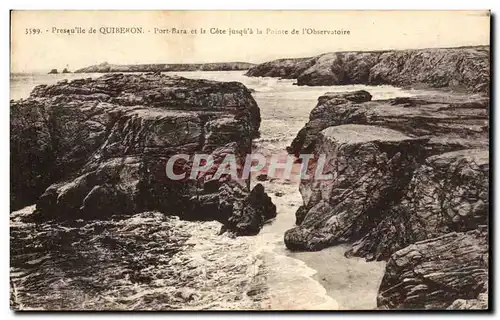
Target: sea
{"points": [[152, 262]]}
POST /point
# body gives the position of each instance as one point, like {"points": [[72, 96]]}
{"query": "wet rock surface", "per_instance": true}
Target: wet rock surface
{"points": [[95, 148], [450, 271], [145, 261], [464, 68]]}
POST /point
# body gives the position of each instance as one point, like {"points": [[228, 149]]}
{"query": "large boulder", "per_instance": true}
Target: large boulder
{"points": [[370, 167], [96, 148], [450, 271], [410, 185]]}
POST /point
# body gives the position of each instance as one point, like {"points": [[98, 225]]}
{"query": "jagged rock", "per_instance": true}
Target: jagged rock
{"points": [[384, 202], [53, 71], [453, 122], [65, 70], [370, 166], [99, 147], [447, 193], [255, 209], [450, 271], [462, 68], [300, 214]]}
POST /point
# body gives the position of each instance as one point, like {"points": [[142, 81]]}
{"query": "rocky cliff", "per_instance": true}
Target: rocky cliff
{"points": [[164, 67], [96, 148], [465, 68], [410, 180], [405, 169]]}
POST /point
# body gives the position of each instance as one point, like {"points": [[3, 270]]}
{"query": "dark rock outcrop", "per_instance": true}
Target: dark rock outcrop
{"points": [[450, 271], [65, 70], [464, 68], [386, 195], [370, 167], [448, 193], [249, 215], [53, 71], [452, 122], [410, 185], [96, 148], [165, 67]]}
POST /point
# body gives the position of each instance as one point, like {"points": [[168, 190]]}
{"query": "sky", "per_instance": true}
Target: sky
{"points": [[368, 30]]}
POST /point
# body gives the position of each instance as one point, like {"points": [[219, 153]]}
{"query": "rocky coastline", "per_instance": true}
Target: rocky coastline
{"points": [[411, 175], [165, 67], [464, 68], [92, 149]]}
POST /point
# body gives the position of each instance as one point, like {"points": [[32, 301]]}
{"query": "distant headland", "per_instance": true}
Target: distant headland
{"points": [[164, 67]]}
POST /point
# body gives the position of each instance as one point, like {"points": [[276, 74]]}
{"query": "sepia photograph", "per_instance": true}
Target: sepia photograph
{"points": [[249, 160]]}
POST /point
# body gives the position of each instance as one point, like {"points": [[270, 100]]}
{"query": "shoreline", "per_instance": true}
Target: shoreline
{"points": [[347, 280], [326, 279]]}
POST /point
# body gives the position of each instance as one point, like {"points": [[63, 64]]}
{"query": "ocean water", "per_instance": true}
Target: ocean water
{"points": [[185, 265]]}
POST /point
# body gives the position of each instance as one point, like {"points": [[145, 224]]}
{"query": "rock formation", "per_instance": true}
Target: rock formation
{"points": [[370, 166], [96, 148], [405, 170], [450, 271], [53, 71], [65, 70], [451, 122], [410, 184], [466, 68], [165, 67], [449, 192]]}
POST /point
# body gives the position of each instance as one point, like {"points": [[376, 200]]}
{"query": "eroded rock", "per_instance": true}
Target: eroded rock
{"points": [[450, 271], [100, 147], [370, 167], [448, 193]]}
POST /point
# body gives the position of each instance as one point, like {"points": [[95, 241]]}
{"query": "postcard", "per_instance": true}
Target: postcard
{"points": [[249, 160]]}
